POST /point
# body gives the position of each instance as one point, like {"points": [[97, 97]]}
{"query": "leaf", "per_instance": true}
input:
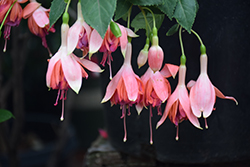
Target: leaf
{"points": [[5, 115], [173, 30], [168, 7], [146, 2], [56, 10], [185, 13], [98, 14], [122, 8], [139, 21]]}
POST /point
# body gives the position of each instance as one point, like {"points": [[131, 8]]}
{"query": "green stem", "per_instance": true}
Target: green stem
{"points": [[199, 38], [152, 15], [129, 13], [5, 17], [146, 21], [67, 7], [183, 57]]}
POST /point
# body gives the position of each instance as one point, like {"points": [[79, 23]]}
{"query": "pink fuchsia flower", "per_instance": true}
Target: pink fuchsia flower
{"points": [[66, 70], [14, 17], [157, 90], [38, 21], [111, 42], [203, 93], [178, 106], [125, 88]]}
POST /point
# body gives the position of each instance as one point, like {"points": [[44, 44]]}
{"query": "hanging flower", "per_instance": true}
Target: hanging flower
{"points": [[66, 70], [203, 93], [125, 88], [38, 21], [14, 17], [178, 105]]}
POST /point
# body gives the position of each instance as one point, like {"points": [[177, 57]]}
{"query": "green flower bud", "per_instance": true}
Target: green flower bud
{"points": [[115, 29]]}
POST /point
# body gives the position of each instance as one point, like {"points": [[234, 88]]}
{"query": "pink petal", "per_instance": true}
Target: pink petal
{"points": [[91, 66], [123, 39], [139, 108], [74, 35], [29, 9], [202, 96], [169, 70], [51, 65], [22, 1], [190, 84], [160, 86], [221, 95], [40, 17], [95, 42], [147, 75], [87, 29], [110, 90], [130, 83], [131, 33], [72, 71], [171, 100], [185, 103]]}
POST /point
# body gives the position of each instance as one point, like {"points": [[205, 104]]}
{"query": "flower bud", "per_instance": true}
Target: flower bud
{"points": [[155, 57], [142, 58]]}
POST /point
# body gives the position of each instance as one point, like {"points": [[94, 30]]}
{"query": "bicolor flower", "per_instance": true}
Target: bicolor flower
{"points": [[178, 106], [157, 90], [125, 89], [14, 17], [203, 93], [66, 70], [38, 21]]}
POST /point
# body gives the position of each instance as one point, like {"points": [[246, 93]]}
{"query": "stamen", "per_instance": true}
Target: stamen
{"points": [[177, 133], [62, 115], [124, 123], [150, 125], [206, 123], [5, 45], [58, 94], [110, 69], [50, 54], [129, 113]]}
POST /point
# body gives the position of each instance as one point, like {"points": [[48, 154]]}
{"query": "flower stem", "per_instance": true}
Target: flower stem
{"points": [[152, 15], [129, 13], [5, 17], [146, 22], [199, 38], [183, 57]]}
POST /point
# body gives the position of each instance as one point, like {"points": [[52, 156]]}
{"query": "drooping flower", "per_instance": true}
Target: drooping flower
{"points": [[38, 21], [143, 55], [178, 106], [14, 17], [66, 70], [157, 90], [111, 42], [203, 93], [125, 89]]}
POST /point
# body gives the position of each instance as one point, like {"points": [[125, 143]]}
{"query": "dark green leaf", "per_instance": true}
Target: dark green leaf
{"points": [[56, 10], [139, 21], [146, 2], [5, 115], [122, 8], [173, 30], [98, 13], [168, 7], [185, 13]]}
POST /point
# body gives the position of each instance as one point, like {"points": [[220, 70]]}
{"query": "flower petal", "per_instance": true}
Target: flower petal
{"points": [[95, 42], [123, 39], [74, 35], [29, 9], [131, 33], [91, 66], [222, 96], [40, 17], [169, 70], [190, 84], [72, 71]]}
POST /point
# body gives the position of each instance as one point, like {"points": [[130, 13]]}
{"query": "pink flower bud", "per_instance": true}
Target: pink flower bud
{"points": [[142, 58], [155, 57]]}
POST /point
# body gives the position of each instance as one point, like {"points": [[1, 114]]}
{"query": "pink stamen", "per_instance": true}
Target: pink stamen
{"points": [[110, 69], [177, 133], [150, 125], [206, 123], [124, 123], [62, 115], [129, 113], [58, 94], [5, 45]]}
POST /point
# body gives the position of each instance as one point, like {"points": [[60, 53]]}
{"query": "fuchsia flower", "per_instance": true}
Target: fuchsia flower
{"points": [[14, 17], [203, 93], [111, 42], [38, 21], [66, 70], [178, 105], [82, 36], [125, 88], [157, 90]]}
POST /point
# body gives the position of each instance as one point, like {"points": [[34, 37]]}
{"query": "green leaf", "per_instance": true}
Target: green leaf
{"points": [[168, 7], [5, 115], [139, 21], [173, 30], [98, 14], [146, 2], [56, 10], [122, 8], [185, 13]]}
